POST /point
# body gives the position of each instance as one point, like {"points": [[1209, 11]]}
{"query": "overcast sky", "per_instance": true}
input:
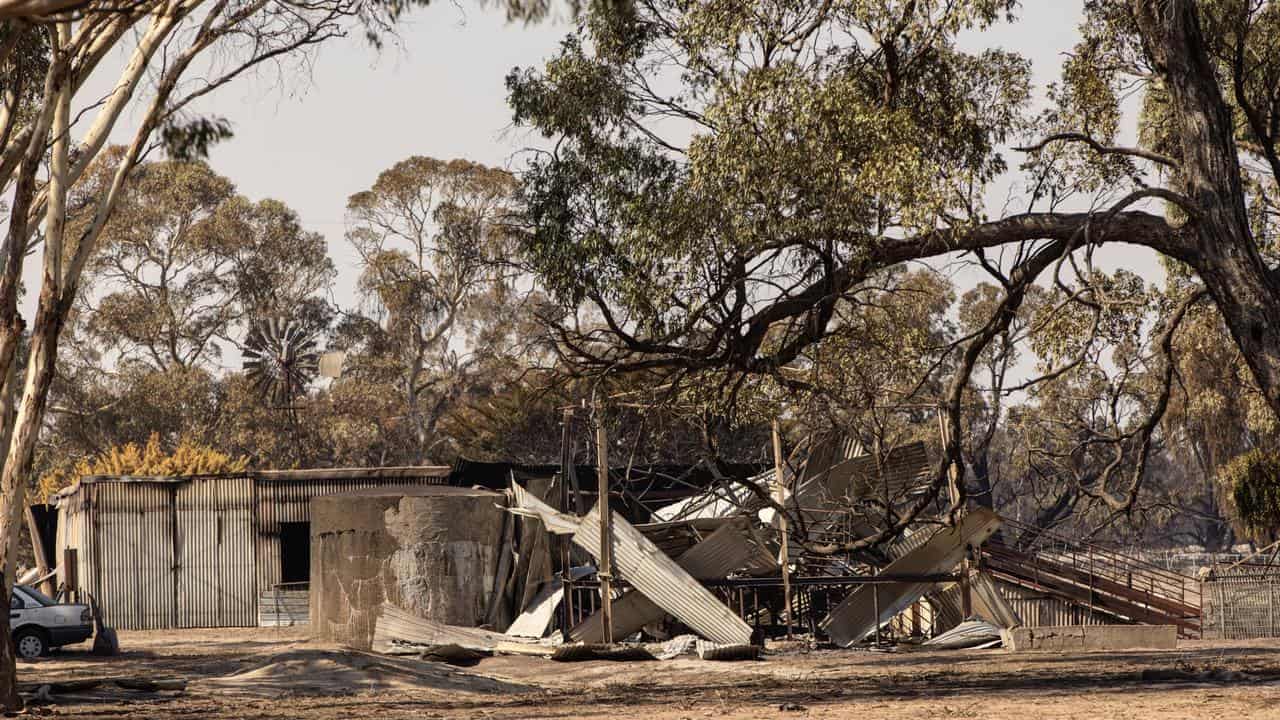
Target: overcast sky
{"points": [[318, 139]]}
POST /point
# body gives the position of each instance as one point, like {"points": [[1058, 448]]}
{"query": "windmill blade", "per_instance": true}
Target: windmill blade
{"points": [[280, 360]]}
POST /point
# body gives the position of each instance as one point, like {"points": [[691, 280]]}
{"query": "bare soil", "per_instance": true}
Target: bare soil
{"points": [[278, 673]]}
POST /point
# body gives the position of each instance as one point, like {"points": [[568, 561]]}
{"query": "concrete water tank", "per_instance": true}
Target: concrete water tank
{"points": [[432, 551]]}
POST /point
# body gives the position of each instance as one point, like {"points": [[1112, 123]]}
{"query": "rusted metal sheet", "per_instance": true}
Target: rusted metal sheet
{"points": [[659, 578], [728, 549], [871, 605]]}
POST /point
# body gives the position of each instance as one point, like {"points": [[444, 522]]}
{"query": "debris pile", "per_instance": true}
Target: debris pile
{"points": [[722, 570]]}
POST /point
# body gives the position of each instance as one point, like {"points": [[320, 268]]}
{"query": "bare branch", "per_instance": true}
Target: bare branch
{"points": [[1099, 148]]}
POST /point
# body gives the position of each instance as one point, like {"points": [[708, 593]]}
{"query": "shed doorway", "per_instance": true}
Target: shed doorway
{"points": [[295, 552]]}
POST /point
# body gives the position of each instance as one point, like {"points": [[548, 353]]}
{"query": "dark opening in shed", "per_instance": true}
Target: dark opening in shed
{"points": [[295, 552]]}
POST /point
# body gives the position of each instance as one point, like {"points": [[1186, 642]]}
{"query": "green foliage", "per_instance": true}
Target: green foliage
{"points": [[190, 141], [1252, 481], [703, 158]]}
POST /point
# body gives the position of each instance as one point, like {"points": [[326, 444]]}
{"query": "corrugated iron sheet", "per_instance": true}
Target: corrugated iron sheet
{"points": [[987, 603], [1043, 610], [217, 585], [855, 617], [661, 580], [394, 624], [71, 535], [729, 549], [889, 478], [134, 535]]}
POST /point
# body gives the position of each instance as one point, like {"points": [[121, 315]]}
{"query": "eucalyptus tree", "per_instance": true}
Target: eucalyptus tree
{"points": [[185, 265], [49, 53], [723, 176], [435, 242]]}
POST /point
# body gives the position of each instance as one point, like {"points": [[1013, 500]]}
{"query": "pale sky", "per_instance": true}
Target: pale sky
{"points": [[440, 93]]}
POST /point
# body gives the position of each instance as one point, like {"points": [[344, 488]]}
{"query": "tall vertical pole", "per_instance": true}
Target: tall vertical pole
{"points": [[605, 571], [953, 473], [780, 495], [562, 543]]}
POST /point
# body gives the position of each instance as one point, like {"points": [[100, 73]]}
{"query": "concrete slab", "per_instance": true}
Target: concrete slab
{"points": [[1092, 637]]}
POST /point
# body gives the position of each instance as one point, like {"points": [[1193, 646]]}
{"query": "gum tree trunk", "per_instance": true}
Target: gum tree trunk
{"points": [[1226, 259]]}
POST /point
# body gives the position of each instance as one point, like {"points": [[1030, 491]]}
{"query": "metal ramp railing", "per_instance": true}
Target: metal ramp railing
{"points": [[1102, 580]]}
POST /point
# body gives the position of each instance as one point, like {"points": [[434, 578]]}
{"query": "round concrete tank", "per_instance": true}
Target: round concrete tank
{"points": [[432, 551]]}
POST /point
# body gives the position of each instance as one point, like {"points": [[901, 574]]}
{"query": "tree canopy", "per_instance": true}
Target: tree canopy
{"points": [[730, 182]]}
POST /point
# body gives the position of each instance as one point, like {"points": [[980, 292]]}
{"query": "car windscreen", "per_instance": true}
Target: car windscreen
{"points": [[38, 596]]}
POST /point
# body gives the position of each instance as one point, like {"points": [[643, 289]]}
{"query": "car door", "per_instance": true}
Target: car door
{"points": [[18, 612]]}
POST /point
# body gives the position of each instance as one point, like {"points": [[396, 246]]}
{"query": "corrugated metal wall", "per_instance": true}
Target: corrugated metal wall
{"points": [[133, 526], [217, 585], [190, 552], [71, 535], [1042, 610]]}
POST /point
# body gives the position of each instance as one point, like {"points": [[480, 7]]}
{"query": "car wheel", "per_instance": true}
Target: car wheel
{"points": [[30, 643]]}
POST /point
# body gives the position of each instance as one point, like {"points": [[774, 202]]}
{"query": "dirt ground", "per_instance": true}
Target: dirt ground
{"points": [[270, 673]]}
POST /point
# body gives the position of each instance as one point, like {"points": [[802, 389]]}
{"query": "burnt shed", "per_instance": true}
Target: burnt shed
{"points": [[199, 551]]}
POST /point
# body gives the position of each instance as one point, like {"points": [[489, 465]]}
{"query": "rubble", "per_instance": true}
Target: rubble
{"points": [[540, 610], [711, 564], [868, 607], [395, 627], [663, 581]]}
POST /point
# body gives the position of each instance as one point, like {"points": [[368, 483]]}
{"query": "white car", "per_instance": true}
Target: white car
{"points": [[39, 623]]}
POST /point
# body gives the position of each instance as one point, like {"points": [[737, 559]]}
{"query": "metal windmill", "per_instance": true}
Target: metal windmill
{"points": [[281, 360]]}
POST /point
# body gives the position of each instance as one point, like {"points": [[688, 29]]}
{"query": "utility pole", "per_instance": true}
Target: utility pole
{"points": [[779, 494], [605, 571]]}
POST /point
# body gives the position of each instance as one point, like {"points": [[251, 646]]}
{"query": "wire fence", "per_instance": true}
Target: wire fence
{"points": [[1241, 608]]}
